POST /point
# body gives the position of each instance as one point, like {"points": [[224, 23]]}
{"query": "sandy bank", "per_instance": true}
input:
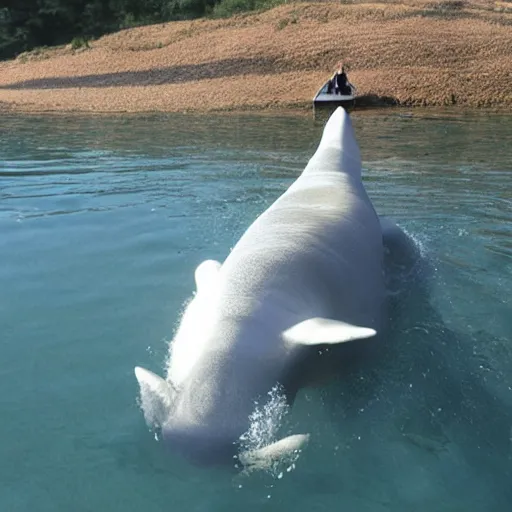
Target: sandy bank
{"points": [[418, 53]]}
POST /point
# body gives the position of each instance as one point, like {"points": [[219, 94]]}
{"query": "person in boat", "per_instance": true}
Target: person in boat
{"points": [[339, 82]]}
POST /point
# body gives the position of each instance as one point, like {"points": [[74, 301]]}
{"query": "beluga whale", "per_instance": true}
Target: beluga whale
{"points": [[305, 276]]}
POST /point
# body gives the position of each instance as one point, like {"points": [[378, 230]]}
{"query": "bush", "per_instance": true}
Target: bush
{"points": [[79, 42], [447, 5], [227, 8]]}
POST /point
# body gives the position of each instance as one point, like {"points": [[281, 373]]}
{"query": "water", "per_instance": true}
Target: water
{"points": [[104, 219]]}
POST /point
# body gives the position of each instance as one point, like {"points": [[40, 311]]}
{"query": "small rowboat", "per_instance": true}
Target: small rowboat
{"points": [[325, 98]]}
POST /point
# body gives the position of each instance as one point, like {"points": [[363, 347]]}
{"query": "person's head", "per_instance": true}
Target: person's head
{"points": [[340, 67]]}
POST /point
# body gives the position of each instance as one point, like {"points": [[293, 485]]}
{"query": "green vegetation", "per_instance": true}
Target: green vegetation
{"points": [[79, 42], [227, 8], [27, 24]]}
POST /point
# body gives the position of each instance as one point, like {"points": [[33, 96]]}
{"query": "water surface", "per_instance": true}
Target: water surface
{"points": [[103, 221]]}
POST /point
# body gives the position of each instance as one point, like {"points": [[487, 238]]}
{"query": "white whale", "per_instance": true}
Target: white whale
{"points": [[307, 273]]}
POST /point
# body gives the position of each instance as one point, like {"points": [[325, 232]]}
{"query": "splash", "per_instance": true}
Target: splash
{"points": [[265, 422], [420, 242], [170, 342]]}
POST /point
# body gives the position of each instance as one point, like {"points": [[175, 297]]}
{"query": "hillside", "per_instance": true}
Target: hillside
{"points": [[448, 52]]}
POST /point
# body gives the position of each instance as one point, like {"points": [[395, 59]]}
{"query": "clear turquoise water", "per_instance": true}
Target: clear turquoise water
{"points": [[102, 222]]}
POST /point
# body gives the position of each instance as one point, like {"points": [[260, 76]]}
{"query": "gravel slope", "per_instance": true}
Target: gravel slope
{"points": [[416, 53]]}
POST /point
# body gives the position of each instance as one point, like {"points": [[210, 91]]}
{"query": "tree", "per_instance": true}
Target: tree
{"points": [[25, 24]]}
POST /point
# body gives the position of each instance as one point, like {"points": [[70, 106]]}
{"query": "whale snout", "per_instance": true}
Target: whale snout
{"points": [[201, 447]]}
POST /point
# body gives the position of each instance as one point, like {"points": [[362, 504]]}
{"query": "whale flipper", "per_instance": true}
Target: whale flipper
{"points": [[153, 381], [318, 331], [263, 458], [206, 274], [157, 396]]}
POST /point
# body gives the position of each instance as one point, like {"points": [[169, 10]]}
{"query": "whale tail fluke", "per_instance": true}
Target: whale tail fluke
{"points": [[339, 133], [338, 149]]}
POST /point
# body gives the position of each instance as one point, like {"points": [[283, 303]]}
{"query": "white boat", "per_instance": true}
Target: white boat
{"points": [[323, 97]]}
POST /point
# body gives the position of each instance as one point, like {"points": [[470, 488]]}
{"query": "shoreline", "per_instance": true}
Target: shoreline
{"points": [[293, 112], [417, 54]]}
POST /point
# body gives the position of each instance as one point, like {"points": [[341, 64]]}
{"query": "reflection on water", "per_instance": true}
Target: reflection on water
{"points": [[103, 220]]}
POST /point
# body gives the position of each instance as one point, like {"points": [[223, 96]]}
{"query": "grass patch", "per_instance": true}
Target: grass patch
{"points": [[284, 22]]}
